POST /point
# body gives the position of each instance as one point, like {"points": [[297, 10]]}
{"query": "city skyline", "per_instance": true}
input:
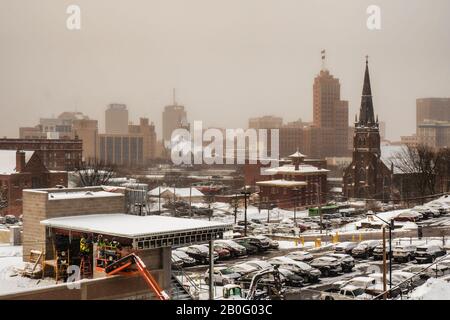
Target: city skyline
{"points": [[226, 69]]}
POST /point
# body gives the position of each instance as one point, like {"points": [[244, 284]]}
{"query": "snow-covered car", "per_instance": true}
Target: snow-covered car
{"points": [[235, 249], [378, 252], [345, 247], [199, 252], [304, 256], [348, 292], [244, 268], [411, 216], [308, 273], [428, 253], [346, 260], [403, 253], [365, 248], [222, 275], [179, 255], [328, 266], [360, 282], [259, 264]]}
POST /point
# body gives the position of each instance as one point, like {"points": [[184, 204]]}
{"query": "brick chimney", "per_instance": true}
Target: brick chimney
{"points": [[20, 160]]}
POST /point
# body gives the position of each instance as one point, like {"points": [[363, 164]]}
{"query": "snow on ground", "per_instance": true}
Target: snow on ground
{"points": [[10, 260], [433, 289]]}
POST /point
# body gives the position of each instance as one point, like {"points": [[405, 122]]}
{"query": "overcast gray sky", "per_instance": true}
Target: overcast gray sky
{"points": [[229, 59]]}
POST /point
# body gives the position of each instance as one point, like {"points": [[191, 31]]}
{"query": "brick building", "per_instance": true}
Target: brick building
{"points": [[56, 154], [297, 183], [24, 170]]}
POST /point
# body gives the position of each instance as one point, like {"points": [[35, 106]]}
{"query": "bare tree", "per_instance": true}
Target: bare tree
{"points": [[3, 198], [95, 173], [422, 163], [443, 169]]}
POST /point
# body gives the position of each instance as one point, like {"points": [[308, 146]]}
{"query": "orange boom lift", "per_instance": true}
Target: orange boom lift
{"points": [[120, 267]]}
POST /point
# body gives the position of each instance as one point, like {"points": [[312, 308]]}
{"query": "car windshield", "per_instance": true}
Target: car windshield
{"points": [[227, 271], [422, 249], [358, 292]]}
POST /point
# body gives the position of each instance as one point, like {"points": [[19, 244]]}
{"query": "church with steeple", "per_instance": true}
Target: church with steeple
{"points": [[367, 177]]}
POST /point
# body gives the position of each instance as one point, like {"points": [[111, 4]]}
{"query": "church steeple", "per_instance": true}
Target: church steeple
{"points": [[366, 114]]}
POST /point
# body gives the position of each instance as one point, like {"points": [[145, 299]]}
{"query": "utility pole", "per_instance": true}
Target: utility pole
{"points": [[235, 208], [245, 193], [190, 200], [211, 270], [384, 264], [159, 199], [295, 205], [391, 226], [319, 205]]}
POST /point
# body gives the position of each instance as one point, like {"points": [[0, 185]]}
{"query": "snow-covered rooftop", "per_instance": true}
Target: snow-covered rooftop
{"points": [[130, 226], [179, 192], [281, 183], [81, 195], [290, 169], [8, 160]]}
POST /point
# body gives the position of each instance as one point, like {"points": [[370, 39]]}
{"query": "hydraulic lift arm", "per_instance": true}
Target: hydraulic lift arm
{"points": [[126, 262]]}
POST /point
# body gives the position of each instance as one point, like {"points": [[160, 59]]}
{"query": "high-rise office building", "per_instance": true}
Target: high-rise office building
{"points": [[434, 109], [330, 114], [173, 117], [116, 119]]}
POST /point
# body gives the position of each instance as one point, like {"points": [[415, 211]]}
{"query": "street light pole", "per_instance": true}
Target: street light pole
{"points": [[390, 225], [245, 193]]}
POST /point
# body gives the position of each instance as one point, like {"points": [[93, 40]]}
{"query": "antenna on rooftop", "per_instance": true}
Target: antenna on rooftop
{"points": [[174, 97], [323, 52]]}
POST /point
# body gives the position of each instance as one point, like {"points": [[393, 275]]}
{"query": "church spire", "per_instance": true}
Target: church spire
{"points": [[366, 114]]}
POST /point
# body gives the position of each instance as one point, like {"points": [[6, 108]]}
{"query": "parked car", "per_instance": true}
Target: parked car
{"points": [[260, 242], [428, 253], [222, 276], [411, 216], [348, 292], [199, 252], [360, 282], [235, 249], [346, 260], [304, 270], [246, 243], [378, 252], [345, 247], [287, 277], [428, 271], [290, 278], [188, 261], [304, 256], [222, 251], [365, 249], [403, 253], [10, 219], [244, 268], [259, 264], [328, 266], [404, 280]]}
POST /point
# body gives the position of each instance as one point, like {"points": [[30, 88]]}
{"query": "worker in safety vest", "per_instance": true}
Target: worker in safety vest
{"points": [[101, 245], [84, 246]]}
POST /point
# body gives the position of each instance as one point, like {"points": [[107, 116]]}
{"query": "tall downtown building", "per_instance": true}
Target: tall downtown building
{"points": [[116, 119], [174, 117], [330, 115]]}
